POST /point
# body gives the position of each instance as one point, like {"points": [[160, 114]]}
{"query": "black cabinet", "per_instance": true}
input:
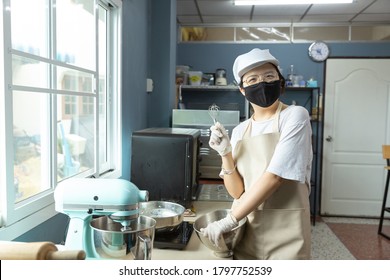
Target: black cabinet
{"points": [[164, 161]]}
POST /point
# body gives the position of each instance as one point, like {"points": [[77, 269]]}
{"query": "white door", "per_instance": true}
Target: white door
{"points": [[356, 125]]}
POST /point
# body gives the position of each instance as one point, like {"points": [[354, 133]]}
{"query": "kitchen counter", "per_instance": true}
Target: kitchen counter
{"points": [[194, 250]]}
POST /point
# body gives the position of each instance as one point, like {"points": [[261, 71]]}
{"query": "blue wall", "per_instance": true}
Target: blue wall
{"points": [[163, 63], [53, 229], [149, 51], [135, 57]]}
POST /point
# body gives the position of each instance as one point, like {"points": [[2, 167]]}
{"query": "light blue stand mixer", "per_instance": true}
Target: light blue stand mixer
{"points": [[104, 218]]}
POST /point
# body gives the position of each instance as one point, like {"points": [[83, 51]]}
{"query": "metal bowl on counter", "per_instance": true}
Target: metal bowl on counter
{"points": [[111, 240], [229, 239], [168, 215]]}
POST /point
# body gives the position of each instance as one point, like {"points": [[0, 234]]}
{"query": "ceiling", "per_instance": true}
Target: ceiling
{"points": [[224, 12]]}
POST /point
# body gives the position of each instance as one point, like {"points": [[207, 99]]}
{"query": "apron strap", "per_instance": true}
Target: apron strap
{"points": [[277, 114], [275, 127]]}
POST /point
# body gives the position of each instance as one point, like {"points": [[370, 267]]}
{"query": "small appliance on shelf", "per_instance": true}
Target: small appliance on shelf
{"points": [[220, 77]]}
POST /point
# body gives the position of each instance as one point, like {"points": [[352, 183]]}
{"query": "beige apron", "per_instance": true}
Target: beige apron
{"points": [[280, 227]]}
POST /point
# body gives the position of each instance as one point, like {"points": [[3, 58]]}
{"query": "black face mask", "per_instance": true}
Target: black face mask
{"points": [[263, 94]]}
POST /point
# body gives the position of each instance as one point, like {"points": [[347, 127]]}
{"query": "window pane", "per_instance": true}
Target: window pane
{"points": [[29, 26], [76, 33], [263, 34], [102, 85], [370, 33], [335, 33], [31, 144], [76, 81], [29, 72], [76, 135], [216, 33], [207, 34]]}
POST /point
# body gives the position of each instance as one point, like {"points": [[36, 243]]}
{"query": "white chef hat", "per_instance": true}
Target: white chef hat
{"points": [[251, 60]]}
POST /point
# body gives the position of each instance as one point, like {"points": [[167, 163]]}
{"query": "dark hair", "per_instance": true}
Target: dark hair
{"points": [[282, 80]]}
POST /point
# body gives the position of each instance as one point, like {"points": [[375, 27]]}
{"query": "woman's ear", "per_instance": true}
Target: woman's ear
{"points": [[242, 91]]}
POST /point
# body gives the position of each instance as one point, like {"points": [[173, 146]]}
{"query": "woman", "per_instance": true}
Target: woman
{"points": [[266, 166]]}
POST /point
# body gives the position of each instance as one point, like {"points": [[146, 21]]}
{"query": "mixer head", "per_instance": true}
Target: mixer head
{"points": [[87, 196]]}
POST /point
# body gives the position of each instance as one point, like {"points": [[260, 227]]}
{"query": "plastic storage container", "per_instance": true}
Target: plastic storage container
{"points": [[195, 77]]}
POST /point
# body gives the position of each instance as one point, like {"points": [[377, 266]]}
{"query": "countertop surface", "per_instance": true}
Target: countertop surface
{"points": [[194, 250]]}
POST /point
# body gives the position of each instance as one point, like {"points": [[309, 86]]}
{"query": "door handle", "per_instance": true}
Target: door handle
{"points": [[329, 139]]}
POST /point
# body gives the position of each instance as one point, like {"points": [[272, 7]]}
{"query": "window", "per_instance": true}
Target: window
{"points": [[325, 33], [61, 78], [279, 33], [370, 33]]}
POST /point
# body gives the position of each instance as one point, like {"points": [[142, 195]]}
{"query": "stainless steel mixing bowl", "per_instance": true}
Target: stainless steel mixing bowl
{"points": [[229, 239], [112, 241], [168, 215]]}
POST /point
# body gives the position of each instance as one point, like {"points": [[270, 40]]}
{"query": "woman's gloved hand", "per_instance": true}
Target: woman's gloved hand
{"points": [[219, 139], [214, 230]]}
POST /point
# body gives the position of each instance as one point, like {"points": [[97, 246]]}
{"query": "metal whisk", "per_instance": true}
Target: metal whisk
{"points": [[213, 112]]}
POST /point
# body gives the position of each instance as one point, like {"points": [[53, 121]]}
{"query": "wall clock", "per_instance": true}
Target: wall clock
{"points": [[319, 51]]}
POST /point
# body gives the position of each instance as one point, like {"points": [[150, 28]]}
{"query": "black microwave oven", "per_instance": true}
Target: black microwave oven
{"points": [[165, 162]]}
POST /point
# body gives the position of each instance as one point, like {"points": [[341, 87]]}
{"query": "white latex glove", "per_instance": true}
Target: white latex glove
{"points": [[214, 230], [219, 139]]}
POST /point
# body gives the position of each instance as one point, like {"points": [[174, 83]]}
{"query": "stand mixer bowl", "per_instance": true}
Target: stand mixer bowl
{"points": [[111, 240]]}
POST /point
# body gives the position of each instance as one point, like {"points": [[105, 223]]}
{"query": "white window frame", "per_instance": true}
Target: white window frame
{"points": [[16, 219]]}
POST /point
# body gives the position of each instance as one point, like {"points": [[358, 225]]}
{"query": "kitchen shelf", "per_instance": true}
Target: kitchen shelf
{"points": [[205, 88], [301, 88]]}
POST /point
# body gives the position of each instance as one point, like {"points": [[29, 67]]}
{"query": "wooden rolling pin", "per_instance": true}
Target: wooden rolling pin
{"points": [[10, 250]]}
